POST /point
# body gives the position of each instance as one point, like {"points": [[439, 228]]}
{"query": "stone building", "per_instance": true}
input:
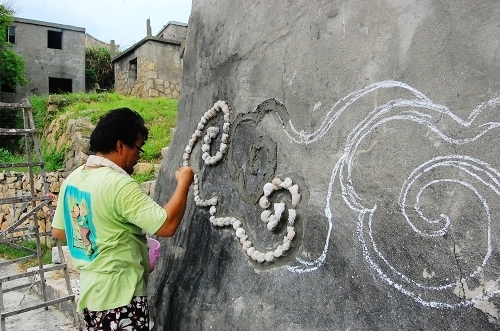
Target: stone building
{"points": [[54, 55], [153, 66]]}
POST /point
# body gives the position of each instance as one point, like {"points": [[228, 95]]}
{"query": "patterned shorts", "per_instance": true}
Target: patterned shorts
{"points": [[133, 317]]}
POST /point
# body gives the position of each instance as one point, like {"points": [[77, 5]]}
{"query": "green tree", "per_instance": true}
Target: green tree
{"points": [[98, 60], [11, 65]]}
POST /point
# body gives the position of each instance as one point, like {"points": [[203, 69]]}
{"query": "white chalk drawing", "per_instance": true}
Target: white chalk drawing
{"points": [[417, 109], [475, 176]]}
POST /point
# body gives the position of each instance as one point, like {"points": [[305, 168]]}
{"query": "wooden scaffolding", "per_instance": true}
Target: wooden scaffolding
{"points": [[28, 225]]}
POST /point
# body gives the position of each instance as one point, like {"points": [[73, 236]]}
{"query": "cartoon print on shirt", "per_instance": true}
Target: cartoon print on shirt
{"points": [[84, 227], [79, 224], [77, 236]]}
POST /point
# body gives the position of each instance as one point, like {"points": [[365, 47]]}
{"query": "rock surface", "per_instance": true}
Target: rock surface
{"points": [[385, 116]]}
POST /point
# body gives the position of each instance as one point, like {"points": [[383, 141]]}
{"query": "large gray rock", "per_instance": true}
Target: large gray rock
{"points": [[385, 114]]}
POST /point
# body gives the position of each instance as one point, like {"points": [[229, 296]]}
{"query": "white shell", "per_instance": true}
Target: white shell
{"points": [[285, 246], [213, 210], [204, 156], [228, 221], [240, 232], [207, 140], [263, 202], [250, 250], [226, 117], [261, 257], [225, 127], [188, 149], [287, 183], [292, 214], [213, 201], [295, 199], [225, 109], [264, 216], [212, 131], [294, 189], [200, 126], [197, 133], [272, 225], [269, 257], [191, 142], [236, 223], [243, 238], [185, 156], [255, 255], [268, 189], [278, 252], [247, 244], [277, 182], [223, 147], [185, 163], [205, 147], [290, 235], [279, 208]]}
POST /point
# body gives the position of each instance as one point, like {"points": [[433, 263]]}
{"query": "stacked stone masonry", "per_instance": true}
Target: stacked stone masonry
{"points": [[147, 85], [17, 184]]}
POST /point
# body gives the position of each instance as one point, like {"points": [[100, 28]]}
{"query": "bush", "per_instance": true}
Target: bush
{"points": [[98, 60], [90, 79]]}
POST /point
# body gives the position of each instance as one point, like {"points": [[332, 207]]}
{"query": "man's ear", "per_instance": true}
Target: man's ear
{"points": [[120, 146]]}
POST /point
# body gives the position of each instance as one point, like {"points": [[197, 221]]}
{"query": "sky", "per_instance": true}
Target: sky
{"points": [[124, 21]]}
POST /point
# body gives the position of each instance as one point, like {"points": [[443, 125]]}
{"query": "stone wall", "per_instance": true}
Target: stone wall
{"points": [[17, 184], [353, 181], [156, 72], [148, 84]]}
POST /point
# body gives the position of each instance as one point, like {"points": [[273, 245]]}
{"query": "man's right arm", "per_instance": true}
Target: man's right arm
{"points": [[176, 206]]}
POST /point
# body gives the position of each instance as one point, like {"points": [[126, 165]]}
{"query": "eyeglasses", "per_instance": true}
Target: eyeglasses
{"points": [[141, 151]]}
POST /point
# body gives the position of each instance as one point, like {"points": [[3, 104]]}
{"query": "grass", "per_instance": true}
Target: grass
{"points": [[145, 176], [160, 115], [8, 157], [11, 253]]}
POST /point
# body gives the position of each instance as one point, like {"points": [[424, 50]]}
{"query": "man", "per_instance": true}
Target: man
{"points": [[107, 242]]}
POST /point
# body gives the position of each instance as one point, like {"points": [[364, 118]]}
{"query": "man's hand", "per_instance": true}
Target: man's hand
{"points": [[184, 175]]}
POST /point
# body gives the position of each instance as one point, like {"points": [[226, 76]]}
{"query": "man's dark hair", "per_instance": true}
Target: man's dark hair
{"points": [[118, 124]]}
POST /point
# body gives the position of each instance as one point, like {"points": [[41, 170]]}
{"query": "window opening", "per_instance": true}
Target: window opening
{"points": [[54, 39], [60, 85], [11, 34], [7, 89], [133, 71]]}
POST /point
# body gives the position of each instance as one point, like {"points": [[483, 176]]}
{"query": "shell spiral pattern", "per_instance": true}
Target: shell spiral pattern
{"points": [[271, 219]]}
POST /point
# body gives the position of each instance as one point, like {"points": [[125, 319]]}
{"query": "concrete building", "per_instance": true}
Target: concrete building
{"points": [[54, 55], [153, 66]]}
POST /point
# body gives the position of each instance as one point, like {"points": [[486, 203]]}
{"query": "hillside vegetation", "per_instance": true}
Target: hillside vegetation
{"points": [[160, 115]]}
